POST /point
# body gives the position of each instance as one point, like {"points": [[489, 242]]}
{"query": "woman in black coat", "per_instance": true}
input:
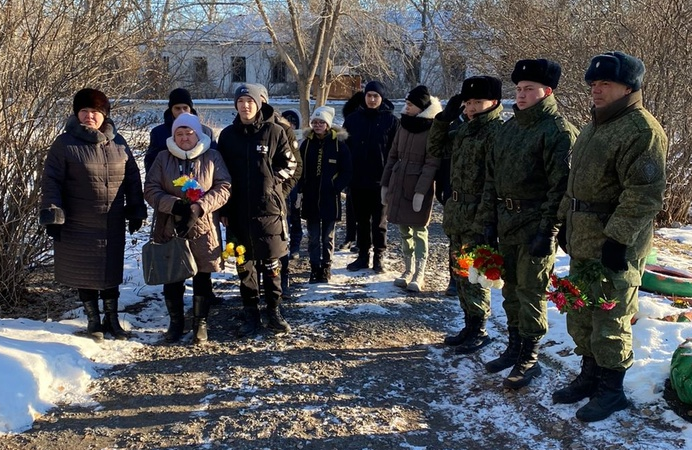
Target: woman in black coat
{"points": [[90, 186], [327, 170]]}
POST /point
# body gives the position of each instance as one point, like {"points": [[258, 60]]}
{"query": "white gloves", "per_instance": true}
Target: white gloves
{"points": [[299, 201], [383, 194], [417, 201]]}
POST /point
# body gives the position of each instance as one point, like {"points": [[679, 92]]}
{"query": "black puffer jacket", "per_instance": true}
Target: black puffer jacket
{"points": [[259, 160], [91, 178], [328, 170], [370, 135]]}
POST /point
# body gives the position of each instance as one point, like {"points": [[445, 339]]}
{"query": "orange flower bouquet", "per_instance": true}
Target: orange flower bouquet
{"points": [[483, 265]]}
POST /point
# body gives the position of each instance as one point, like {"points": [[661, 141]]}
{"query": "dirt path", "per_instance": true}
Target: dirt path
{"points": [[363, 369]]}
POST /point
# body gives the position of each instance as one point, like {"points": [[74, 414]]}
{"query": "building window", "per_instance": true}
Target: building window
{"points": [[278, 72], [201, 73], [238, 74]]}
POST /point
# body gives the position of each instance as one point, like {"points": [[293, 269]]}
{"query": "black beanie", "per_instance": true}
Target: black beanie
{"points": [[484, 87], [419, 96], [249, 90], [179, 96], [375, 86], [91, 98], [618, 67], [541, 71]]}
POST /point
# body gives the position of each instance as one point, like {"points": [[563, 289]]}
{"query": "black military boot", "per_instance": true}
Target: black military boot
{"points": [[378, 262], [362, 262], [200, 309], [110, 320], [275, 320], [476, 338], [453, 341], [94, 327], [508, 357], [315, 274], [609, 397], [583, 386], [527, 366], [176, 312], [252, 322]]}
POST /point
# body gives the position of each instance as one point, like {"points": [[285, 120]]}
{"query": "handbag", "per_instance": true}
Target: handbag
{"points": [[168, 262]]}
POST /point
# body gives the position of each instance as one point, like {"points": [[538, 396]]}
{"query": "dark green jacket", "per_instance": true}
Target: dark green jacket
{"points": [[526, 173], [470, 143], [618, 160]]}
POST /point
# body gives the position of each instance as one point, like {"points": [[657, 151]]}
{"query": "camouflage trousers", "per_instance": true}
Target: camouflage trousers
{"points": [[526, 281], [473, 298], [607, 335]]}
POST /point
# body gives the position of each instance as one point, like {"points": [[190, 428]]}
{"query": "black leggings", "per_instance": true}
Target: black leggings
{"points": [[201, 285]]}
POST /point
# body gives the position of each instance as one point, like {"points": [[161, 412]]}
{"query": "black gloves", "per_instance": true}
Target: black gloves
{"points": [[134, 225], [478, 239], [490, 235], [182, 209], [53, 231], [452, 109], [542, 245], [613, 255]]}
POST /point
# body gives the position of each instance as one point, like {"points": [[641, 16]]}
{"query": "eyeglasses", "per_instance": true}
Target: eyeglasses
{"points": [[317, 123]]}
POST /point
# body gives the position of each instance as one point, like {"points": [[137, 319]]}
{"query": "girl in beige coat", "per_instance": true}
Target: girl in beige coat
{"points": [[194, 217]]}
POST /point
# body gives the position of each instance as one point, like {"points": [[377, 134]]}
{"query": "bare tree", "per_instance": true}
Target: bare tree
{"points": [[51, 49], [502, 31]]}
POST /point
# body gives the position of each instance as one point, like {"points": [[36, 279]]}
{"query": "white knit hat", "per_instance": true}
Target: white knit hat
{"points": [[325, 113], [190, 121]]}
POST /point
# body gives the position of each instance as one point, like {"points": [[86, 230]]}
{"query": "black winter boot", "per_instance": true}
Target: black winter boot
{"points": [[527, 366], [110, 320], [451, 290], [476, 338], [508, 357], [94, 327], [609, 397], [252, 322], [176, 312], [276, 322], [378, 262], [461, 336], [583, 386], [362, 262], [315, 274], [200, 309]]}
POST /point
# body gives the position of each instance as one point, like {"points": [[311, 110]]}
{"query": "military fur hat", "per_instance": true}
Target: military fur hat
{"points": [[91, 98], [541, 71], [483, 87], [618, 67]]}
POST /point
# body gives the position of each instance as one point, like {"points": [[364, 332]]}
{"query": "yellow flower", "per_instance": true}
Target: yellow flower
{"points": [[229, 247], [240, 260], [225, 254], [240, 250], [179, 182]]}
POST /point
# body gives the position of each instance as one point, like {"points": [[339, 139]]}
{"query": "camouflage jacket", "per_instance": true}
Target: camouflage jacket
{"points": [[526, 173], [618, 162], [470, 143]]}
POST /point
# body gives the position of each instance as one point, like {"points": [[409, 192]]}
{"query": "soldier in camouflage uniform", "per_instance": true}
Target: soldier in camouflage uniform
{"points": [[526, 177], [480, 97], [614, 190]]}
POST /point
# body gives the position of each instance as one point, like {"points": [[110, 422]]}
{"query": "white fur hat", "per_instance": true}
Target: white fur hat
{"points": [[190, 121], [325, 113]]}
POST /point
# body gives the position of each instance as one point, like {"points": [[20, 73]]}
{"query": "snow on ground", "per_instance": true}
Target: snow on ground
{"points": [[43, 364]]}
